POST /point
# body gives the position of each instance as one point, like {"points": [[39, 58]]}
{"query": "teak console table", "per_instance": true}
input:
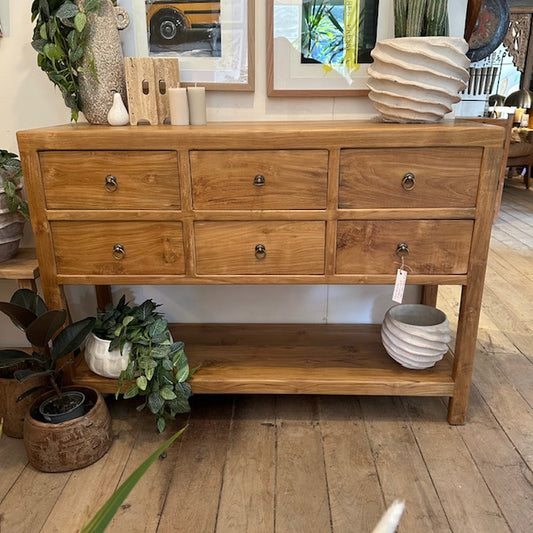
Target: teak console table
{"points": [[273, 203]]}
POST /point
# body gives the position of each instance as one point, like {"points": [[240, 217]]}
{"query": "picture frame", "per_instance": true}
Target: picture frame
{"points": [[227, 61], [287, 75]]}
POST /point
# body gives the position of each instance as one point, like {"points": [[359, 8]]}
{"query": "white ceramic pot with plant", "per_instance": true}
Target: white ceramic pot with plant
{"points": [[418, 75], [103, 361]]}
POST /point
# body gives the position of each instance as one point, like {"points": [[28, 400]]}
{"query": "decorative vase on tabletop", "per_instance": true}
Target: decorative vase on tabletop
{"points": [[105, 59], [11, 228], [415, 335]]}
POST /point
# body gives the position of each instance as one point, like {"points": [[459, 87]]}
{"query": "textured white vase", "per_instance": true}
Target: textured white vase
{"points": [[103, 362], [417, 79], [415, 335], [118, 114]]}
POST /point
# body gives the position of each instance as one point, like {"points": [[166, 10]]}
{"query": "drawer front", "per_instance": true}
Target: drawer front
{"points": [[260, 247], [409, 177], [111, 180], [270, 179], [435, 246], [93, 247]]}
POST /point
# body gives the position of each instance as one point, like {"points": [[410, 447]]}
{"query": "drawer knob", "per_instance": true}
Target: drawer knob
{"points": [[119, 252], [111, 184], [402, 249], [259, 180], [408, 181], [260, 251]]}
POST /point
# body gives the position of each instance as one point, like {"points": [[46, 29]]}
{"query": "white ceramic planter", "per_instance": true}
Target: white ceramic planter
{"points": [[417, 79], [103, 362], [415, 335]]}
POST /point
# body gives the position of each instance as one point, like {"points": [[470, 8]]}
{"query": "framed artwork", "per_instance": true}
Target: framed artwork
{"points": [[212, 40], [322, 47]]}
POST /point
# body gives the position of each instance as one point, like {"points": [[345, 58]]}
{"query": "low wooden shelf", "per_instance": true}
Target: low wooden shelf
{"points": [[23, 268]]}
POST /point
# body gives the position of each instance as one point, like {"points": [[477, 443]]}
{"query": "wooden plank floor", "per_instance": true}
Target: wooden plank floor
{"points": [[310, 464]]}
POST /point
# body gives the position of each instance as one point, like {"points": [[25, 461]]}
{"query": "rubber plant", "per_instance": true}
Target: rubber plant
{"points": [[157, 369], [50, 340], [60, 40], [420, 18], [10, 180]]}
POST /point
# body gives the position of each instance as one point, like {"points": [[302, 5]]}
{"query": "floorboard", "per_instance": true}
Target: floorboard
{"points": [[318, 464]]}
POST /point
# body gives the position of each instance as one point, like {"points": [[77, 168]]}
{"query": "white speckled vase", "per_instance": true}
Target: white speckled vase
{"points": [[105, 50], [417, 79], [415, 335], [103, 362]]}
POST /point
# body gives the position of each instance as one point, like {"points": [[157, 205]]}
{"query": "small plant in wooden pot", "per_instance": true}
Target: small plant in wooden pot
{"points": [[67, 427], [418, 75], [157, 368], [13, 208]]}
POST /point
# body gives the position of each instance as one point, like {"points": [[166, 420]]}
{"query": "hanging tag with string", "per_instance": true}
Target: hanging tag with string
{"points": [[402, 250]]}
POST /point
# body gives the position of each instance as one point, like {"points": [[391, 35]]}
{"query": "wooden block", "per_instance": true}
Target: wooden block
{"points": [[166, 74], [140, 83]]}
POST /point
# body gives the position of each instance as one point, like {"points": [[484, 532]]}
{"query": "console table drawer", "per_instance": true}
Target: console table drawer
{"points": [[110, 179], [260, 247], [118, 247], [434, 246], [265, 179], [409, 177]]}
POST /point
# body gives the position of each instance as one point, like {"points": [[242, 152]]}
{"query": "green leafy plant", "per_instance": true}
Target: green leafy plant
{"points": [[106, 513], [157, 369], [420, 18], [60, 40], [43, 329], [10, 180]]}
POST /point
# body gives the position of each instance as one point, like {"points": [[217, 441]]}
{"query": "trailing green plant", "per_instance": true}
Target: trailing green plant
{"points": [[50, 341], [60, 40], [420, 18], [10, 180], [157, 369]]}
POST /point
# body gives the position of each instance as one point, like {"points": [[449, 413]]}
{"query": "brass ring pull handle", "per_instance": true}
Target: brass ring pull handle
{"points": [[402, 249], [111, 184], [408, 181], [260, 251], [119, 252], [259, 180]]}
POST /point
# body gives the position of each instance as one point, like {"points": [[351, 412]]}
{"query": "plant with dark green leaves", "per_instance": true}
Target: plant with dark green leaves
{"points": [[420, 18], [157, 369], [60, 40], [10, 180], [44, 330]]}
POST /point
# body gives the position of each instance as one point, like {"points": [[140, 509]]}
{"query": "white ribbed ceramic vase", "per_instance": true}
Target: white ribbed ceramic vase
{"points": [[415, 335], [103, 362], [417, 79]]}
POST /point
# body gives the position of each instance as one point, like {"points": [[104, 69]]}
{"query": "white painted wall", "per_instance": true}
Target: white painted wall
{"points": [[29, 100]]}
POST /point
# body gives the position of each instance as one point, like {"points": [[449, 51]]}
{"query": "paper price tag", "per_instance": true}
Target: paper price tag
{"points": [[399, 286]]}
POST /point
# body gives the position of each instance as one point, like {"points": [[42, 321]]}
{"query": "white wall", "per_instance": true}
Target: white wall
{"points": [[29, 100]]}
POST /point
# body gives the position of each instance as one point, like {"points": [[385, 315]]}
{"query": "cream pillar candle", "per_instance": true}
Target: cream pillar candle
{"points": [[196, 105], [179, 107]]}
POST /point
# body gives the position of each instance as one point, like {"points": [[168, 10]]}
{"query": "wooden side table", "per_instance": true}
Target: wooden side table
{"points": [[23, 267]]}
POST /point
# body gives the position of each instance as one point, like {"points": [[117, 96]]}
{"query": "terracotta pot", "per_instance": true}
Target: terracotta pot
{"points": [[68, 445], [11, 411]]}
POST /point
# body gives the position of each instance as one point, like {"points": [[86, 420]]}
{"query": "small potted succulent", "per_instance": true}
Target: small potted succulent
{"points": [[13, 208], [68, 427], [152, 366]]}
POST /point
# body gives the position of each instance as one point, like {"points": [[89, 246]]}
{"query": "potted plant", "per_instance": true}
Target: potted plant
{"points": [[13, 208], [418, 75], [68, 427], [157, 368]]}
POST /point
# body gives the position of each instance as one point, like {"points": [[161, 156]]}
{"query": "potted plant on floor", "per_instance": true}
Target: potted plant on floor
{"points": [[13, 208], [157, 368], [418, 75], [68, 427]]}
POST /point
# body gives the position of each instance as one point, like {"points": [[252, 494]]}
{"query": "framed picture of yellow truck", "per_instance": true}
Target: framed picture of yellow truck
{"points": [[212, 40]]}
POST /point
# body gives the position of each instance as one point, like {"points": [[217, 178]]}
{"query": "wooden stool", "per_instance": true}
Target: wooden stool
{"points": [[23, 267]]}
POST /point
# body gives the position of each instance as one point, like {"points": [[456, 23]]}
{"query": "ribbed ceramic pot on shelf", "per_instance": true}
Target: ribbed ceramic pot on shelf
{"points": [[415, 335], [417, 79]]}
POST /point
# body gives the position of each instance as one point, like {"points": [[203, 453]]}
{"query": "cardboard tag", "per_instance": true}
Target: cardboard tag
{"points": [[399, 286]]}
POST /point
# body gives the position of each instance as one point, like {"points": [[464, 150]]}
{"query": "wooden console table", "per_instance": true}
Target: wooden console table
{"points": [[273, 203]]}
